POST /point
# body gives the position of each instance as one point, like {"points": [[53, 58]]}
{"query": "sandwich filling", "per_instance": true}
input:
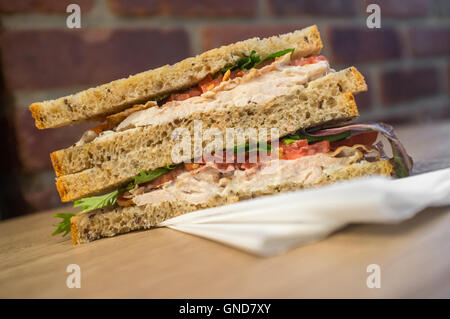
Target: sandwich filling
{"points": [[257, 85], [304, 158], [299, 163]]}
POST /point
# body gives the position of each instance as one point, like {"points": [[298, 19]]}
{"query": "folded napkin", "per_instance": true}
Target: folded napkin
{"points": [[272, 224]]}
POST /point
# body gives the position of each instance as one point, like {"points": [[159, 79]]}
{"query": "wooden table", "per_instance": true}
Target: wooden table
{"points": [[414, 256]]}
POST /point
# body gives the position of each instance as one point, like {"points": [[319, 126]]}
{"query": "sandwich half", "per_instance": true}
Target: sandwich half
{"points": [[253, 118], [96, 103]]}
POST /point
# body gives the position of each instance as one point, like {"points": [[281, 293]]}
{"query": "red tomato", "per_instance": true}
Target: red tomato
{"points": [[99, 128], [209, 83], [364, 138], [164, 178], [294, 145], [203, 84], [320, 147], [179, 96], [309, 60], [195, 91], [236, 73], [301, 148]]}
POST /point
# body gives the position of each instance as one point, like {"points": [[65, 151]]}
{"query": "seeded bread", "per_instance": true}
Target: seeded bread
{"points": [[113, 221], [103, 165], [98, 102]]}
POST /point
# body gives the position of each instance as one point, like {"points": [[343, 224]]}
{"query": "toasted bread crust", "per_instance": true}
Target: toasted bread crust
{"points": [[74, 230], [57, 164], [113, 221], [62, 190], [118, 95]]}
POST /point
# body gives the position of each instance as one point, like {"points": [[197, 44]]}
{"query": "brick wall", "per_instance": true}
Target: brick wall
{"points": [[406, 62]]}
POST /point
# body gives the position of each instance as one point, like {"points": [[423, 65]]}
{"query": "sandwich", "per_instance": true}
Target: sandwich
{"points": [[253, 118]]}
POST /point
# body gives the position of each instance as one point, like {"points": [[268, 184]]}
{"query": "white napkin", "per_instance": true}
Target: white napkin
{"points": [[272, 224]]}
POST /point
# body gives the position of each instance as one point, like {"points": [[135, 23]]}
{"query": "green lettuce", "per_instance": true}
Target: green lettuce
{"points": [[95, 202], [313, 139], [247, 63]]}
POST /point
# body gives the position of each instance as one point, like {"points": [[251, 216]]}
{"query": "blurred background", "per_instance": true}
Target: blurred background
{"points": [[406, 62]]}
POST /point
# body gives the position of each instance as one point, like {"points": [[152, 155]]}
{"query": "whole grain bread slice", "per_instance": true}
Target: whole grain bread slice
{"points": [[103, 165], [96, 103], [108, 222]]}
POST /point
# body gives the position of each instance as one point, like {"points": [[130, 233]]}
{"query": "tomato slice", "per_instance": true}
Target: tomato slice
{"points": [[209, 83], [179, 96], [195, 91], [301, 148], [308, 60], [367, 138], [203, 84], [99, 128], [237, 73]]}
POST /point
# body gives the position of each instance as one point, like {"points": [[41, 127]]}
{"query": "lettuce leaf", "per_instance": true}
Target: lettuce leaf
{"points": [[64, 225], [276, 55], [247, 63], [147, 176], [313, 139], [95, 202], [246, 148]]}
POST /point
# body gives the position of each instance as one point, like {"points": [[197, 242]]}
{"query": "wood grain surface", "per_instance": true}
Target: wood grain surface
{"points": [[414, 256]]}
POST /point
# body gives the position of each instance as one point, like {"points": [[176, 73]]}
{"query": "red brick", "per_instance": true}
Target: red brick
{"points": [[428, 42], [315, 8], [355, 45], [200, 8], [214, 37], [42, 6], [402, 8], [403, 85], [57, 58], [34, 146]]}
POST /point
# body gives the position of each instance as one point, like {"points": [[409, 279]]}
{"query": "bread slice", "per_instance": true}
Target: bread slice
{"points": [[98, 102], [103, 165], [109, 222]]}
